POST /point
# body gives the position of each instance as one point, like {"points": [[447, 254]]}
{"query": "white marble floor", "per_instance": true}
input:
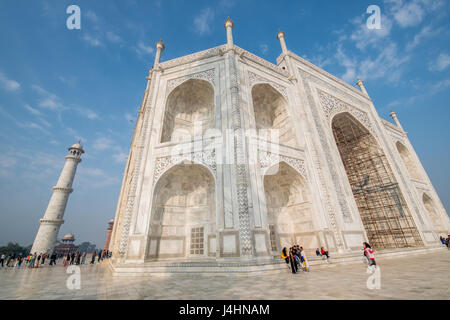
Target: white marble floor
{"points": [[424, 276]]}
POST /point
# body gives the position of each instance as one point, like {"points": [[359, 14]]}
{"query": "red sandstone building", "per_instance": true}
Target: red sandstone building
{"points": [[108, 234]]}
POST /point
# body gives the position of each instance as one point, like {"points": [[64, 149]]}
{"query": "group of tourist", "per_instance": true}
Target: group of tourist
{"points": [[295, 258], [35, 260], [445, 241]]}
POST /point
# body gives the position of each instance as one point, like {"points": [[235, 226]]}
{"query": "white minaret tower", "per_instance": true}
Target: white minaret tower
{"points": [[53, 217]]}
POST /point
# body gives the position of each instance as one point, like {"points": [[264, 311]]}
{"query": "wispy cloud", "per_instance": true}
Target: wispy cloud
{"points": [[92, 41], [9, 84], [203, 20], [264, 48], [441, 63], [426, 32], [33, 110], [144, 50]]}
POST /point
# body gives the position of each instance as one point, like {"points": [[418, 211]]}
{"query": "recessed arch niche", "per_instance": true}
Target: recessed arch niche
{"points": [[270, 109], [189, 106]]}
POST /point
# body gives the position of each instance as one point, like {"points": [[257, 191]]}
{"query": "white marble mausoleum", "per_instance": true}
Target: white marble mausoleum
{"points": [[234, 157]]}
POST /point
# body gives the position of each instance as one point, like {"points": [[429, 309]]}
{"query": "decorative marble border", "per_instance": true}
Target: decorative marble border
{"points": [[256, 78], [332, 106], [163, 164], [268, 159], [245, 54], [193, 57], [208, 75]]}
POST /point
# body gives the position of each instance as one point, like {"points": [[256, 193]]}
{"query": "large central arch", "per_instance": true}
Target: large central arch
{"points": [[289, 207], [183, 213], [380, 202]]}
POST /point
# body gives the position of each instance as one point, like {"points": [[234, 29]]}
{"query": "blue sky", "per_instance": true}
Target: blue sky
{"points": [[59, 85]]}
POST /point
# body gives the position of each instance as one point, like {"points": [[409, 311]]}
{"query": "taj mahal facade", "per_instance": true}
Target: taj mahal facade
{"points": [[234, 158]]}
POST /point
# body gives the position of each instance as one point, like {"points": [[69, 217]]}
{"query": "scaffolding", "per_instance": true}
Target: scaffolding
{"points": [[383, 209]]}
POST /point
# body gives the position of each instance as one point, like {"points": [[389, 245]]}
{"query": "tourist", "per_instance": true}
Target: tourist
{"points": [[38, 259], [447, 241], [67, 259], [442, 239], [294, 267], [99, 255], [19, 261], [2, 259], [94, 254], [53, 259], [43, 258], [11, 258], [304, 260], [318, 252], [285, 256], [368, 253], [78, 258], [32, 260], [83, 257], [323, 252]]}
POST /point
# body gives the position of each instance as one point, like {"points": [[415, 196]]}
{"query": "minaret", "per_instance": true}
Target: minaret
{"points": [[394, 116], [159, 49], [360, 84], [280, 36], [53, 217]]}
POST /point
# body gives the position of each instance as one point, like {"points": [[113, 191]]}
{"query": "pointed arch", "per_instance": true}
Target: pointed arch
{"points": [[190, 104], [270, 109], [383, 210], [408, 161], [183, 213], [432, 211], [289, 207]]}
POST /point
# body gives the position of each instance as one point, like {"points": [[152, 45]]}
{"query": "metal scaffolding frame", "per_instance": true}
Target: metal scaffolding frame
{"points": [[383, 209]]}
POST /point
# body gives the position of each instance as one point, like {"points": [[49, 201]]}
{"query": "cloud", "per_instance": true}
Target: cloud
{"points": [[264, 48], [143, 49], [203, 20], [364, 37], [9, 84], [94, 42], [426, 32], [103, 143], [49, 100], [87, 113], [412, 13], [70, 81], [33, 111], [90, 15], [113, 38], [130, 118], [409, 15], [441, 63]]}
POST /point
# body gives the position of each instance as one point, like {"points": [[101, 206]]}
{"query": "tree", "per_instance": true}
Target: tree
{"points": [[16, 248]]}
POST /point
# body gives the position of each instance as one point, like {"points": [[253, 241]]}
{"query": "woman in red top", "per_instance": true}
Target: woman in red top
{"points": [[368, 252]]}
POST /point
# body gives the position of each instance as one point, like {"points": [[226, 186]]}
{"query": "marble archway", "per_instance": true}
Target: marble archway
{"points": [[289, 207], [183, 213], [189, 108]]}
